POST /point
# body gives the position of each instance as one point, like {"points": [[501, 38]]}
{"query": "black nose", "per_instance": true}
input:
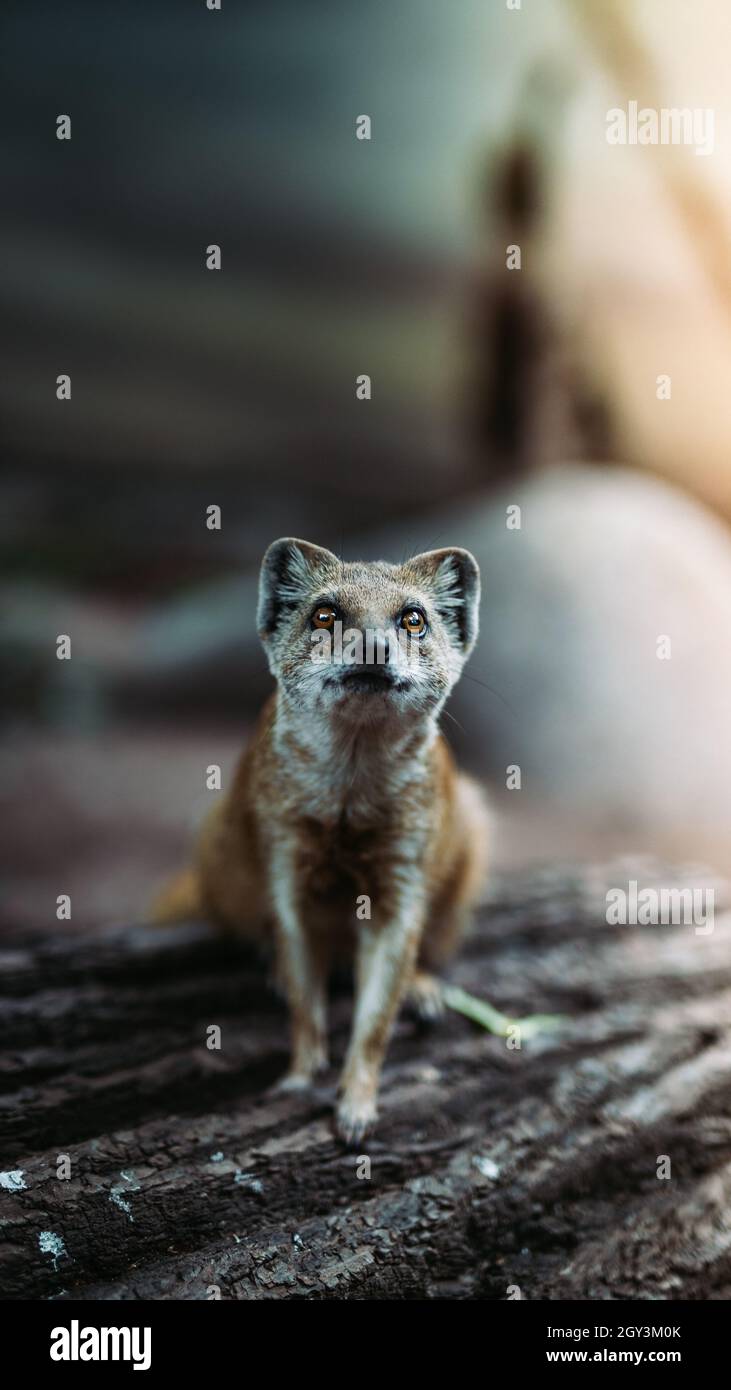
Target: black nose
{"points": [[369, 677]]}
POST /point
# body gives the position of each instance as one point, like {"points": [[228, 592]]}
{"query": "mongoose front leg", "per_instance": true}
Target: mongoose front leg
{"points": [[384, 964], [302, 970]]}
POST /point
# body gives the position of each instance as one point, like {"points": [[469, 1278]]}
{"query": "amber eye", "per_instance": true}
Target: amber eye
{"points": [[414, 621], [324, 616]]}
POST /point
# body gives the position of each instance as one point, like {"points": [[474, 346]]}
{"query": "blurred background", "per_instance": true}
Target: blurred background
{"points": [[491, 388]]}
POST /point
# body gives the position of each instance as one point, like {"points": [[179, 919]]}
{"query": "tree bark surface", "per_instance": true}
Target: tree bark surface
{"points": [[493, 1169]]}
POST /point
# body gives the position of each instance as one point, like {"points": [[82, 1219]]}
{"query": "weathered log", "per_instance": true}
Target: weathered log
{"points": [[491, 1167]]}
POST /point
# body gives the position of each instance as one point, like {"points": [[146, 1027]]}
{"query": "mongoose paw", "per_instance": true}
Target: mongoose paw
{"points": [[425, 997], [354, 1118], [291, 1082], [301, 1078]]}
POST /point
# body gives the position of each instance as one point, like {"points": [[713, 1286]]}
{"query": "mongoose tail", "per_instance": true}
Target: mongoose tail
{"points": [[179, 900]]}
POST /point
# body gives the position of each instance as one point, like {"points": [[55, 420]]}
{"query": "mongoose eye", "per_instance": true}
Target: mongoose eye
{"points": [[324, 615], [414, 621]]}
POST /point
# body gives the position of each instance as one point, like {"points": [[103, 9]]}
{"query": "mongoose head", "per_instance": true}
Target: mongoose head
{"points": [[366, 643]]}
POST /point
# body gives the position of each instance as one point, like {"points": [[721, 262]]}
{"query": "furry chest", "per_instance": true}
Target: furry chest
{"points": [[337, 863]]}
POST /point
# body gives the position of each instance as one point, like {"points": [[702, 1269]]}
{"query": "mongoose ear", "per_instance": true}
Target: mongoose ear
{"points": [[289, 571], [453, 577]]}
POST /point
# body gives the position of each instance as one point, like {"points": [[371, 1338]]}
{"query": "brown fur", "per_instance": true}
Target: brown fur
{"points": [[341, 796]]}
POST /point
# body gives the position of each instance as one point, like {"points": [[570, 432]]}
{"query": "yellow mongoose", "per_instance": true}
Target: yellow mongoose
{"points": [[347, 828]]}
